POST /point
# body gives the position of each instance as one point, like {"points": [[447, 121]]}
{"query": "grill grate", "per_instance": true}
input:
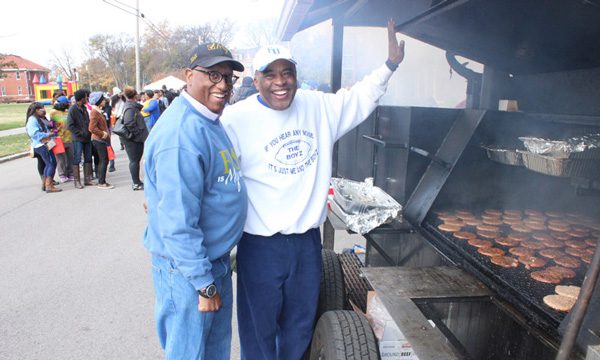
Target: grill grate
{"points": [[356, 284], [517, 280]]}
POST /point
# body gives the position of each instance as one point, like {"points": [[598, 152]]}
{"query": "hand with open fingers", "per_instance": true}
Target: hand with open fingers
{"points": [[207, 305], [395, 48]]}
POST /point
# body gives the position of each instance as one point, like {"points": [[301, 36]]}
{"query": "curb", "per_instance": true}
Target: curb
{"points": [[13, 157]]}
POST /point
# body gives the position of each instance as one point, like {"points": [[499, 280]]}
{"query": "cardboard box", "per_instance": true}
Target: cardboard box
{"points": [[508, 105], [392, 342]]}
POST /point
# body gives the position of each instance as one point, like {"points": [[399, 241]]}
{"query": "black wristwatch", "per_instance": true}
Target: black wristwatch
{"points": [[208, 292]]}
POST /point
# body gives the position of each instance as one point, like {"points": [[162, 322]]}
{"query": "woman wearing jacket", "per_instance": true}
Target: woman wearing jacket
{"points": [[100, 135], [134, 146], [40, 134], [65, 160]]}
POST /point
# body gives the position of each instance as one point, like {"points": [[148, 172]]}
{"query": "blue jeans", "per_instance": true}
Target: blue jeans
{"points": [[183, 331], [277, 294], [82, 147], [48, 158], [149, 122]]}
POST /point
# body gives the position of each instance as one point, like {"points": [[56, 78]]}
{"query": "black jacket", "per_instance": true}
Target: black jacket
{"points": [[134, 121], [78, 122]]}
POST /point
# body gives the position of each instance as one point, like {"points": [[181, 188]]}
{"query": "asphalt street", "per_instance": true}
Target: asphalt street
{"points": [[77, 281]]}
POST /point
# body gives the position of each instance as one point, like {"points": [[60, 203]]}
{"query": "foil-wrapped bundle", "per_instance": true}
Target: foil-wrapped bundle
{"points": [[362, 206], [563, 149]]}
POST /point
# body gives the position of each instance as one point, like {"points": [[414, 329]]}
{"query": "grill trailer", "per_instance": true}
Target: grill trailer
{"points": [[468, 168]]}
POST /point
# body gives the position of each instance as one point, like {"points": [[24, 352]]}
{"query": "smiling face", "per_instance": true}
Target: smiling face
{"points": [[277, 84], [213, 96]]}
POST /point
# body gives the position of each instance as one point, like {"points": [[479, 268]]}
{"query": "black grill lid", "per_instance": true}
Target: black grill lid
{"points": [[516, 36]]}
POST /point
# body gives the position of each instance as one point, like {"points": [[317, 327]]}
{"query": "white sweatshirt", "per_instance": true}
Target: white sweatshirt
{"points": [[286, 156]]}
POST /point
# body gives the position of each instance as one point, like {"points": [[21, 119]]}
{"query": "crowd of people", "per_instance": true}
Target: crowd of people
{"points": [[76, 134], [249, 172]]}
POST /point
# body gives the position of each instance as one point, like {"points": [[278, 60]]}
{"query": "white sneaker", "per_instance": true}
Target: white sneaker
{"points": [[105, 186]]}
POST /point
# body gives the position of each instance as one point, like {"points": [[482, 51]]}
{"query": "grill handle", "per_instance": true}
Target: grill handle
{"points": [[574, 325], [416, 150]]}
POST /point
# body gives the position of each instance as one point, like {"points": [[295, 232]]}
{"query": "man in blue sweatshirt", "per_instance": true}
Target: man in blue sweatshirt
{"points": [[197, 204]]}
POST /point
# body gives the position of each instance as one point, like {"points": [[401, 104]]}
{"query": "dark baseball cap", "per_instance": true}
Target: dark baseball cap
{"points": [[210, 54]]}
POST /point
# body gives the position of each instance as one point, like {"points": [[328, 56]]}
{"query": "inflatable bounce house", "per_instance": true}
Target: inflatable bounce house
{"points": [[44, 90]]}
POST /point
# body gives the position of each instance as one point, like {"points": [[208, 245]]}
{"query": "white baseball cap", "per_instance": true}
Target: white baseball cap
{"points": [[267, 54]]}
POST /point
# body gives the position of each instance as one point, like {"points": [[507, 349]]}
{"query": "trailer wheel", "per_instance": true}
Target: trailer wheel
{"points": [[332, 294], [342, 335]]}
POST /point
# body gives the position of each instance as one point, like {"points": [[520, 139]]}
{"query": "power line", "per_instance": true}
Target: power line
{"points": [[120, 8], [141, 16]]}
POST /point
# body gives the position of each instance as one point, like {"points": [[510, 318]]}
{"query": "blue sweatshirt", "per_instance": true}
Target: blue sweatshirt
{"points": [[194, 190], [153, 109]]}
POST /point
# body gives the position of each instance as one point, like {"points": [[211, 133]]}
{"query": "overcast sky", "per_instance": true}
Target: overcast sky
{"points": [[33, 28]]}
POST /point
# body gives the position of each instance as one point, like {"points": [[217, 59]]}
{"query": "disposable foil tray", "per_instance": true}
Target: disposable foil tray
{"points": [[504, 156], [362, 206], [586, 147], [585, 168]]}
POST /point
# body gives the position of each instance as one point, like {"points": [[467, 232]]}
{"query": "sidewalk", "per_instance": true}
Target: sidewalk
{"points": [[12, 131]]}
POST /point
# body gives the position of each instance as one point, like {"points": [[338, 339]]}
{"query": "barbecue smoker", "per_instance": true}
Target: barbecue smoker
{"points": [[465, 167]]}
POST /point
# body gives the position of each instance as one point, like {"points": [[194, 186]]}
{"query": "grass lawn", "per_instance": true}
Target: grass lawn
{"points": [[13, 115], [13, 144]]}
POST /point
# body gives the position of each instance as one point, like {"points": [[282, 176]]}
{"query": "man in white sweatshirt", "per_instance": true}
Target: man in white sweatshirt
{"points": [[284, 138]]}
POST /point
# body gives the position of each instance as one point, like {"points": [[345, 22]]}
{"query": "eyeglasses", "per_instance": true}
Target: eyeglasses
{"points": [[215, 77]]}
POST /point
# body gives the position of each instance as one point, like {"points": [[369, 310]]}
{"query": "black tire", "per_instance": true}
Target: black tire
{"points": [[343, 335], [332, 294]]}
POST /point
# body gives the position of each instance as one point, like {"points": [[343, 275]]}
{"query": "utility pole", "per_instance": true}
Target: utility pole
{"points": [[135, 12], [138, 87]]}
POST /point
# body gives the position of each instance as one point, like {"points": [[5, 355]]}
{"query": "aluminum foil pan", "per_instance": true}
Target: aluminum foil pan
{"points": [[587, 146], [504, 156], [585, 168], [361, 206]]}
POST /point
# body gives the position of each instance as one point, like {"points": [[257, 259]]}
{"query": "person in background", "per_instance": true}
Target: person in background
{"points": [[286, 159], [151, 110], [134, 146], [245, 90], [95, 158], [40, 134], [196, 200], [100, 137], [107, 111], [163, 102], [117, 102], [58, 115], [56, 95], [78, 121]]}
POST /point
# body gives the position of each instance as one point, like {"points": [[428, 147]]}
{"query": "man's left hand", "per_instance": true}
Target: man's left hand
{"points": [[395, 48], [209, 305]]}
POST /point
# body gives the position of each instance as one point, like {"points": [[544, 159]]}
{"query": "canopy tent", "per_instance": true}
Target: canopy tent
{"points": [[171, 82]]}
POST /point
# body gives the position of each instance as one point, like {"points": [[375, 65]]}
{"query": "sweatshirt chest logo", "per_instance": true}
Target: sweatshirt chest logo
{"points": [[231, 169], [291, 152]]}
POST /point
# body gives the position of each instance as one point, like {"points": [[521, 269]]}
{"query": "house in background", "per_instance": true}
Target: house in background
{"points": [[18, 83]]}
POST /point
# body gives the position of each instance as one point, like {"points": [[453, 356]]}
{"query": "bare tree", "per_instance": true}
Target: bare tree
{"points": [[64, 63], [117, 53], [260, 33], [185, 38]]}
